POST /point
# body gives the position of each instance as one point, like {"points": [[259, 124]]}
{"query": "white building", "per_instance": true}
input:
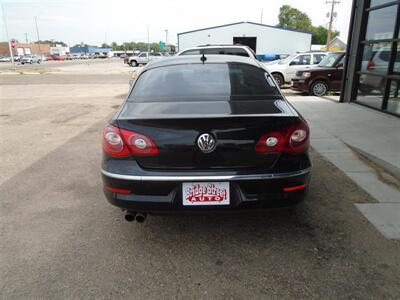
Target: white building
{"points": [[260, 37], [59, 50]]}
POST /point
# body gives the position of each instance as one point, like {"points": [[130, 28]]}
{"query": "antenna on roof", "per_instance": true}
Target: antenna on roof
{"points": [[203, 58]]}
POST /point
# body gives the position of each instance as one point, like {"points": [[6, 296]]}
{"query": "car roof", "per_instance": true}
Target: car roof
{"points": [[311, 52], [196, 59], [219, 46], [215, 47]]}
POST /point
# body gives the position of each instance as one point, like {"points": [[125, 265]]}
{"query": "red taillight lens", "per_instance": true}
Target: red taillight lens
{"points": [[122, 142], [293, 139], [370, 65], [139, 144], [113, 144]]}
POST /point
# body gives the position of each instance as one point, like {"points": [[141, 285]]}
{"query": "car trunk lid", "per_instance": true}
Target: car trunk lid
{"points": [[236, 126]]}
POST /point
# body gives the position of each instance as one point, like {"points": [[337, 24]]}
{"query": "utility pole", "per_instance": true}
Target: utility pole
{"points": [[261, 18], [166, 37], [26, 37], [148, 40], [38, 37], [8, 38], [328, 39]]}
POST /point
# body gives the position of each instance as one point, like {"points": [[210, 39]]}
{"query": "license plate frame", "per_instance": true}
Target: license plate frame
{"points": [[205, 193]]}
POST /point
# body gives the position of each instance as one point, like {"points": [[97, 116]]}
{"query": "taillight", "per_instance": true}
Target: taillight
{"points": [[292, 139], [370, 65], [122, 142], [139, 144], [113, 144]]}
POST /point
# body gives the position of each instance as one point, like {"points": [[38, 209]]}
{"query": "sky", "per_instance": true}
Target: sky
{"points": [[97, 21]]}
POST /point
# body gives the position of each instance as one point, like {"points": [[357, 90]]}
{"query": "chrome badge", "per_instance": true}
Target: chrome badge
{"points": [[206, 143]]}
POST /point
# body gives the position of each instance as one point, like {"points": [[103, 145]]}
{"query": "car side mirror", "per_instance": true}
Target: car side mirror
{"points": [[340, 65]]}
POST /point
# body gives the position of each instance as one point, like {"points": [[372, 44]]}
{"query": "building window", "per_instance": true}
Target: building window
{"points": [[378, 71], [380, 2], [381, 23]]}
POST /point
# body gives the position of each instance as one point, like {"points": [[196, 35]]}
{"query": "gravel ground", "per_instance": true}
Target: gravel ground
{"points": [[61, 239]]}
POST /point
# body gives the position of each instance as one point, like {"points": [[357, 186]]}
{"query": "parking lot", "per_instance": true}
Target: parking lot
{"points": [[61, 239]]}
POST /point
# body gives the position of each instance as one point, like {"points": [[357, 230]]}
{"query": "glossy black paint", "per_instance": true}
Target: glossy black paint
{"points": [[175, 127], [235, 136], [205, 109]]}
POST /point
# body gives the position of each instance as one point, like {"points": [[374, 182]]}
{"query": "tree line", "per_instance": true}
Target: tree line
{"points": [[290, 17], [135, 45]]}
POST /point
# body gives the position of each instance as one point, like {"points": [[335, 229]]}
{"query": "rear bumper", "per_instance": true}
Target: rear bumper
{"points": [[163, 194]]}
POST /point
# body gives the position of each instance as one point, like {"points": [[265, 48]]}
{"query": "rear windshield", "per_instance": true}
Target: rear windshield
{"points": [[213, 82]]}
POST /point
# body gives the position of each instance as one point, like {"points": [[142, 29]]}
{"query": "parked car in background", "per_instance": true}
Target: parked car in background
{"points": [[325, 77], [55, 58], [126, 59], [5, 59], [30, 59], [143, 58], [375, 62], [284, 70], [220, 49], [212, 135]]}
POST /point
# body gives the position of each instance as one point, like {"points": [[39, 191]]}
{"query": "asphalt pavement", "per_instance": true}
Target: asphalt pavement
{"points": [[51, 64], [61, 239]]}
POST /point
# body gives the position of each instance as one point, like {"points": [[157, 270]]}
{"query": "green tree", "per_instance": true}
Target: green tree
{"points": [[52, 42], [172, 47], [291, 17], [320, 34]]}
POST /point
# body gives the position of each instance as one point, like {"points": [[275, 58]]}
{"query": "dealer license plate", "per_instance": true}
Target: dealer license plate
{"points": [[205, 193]]}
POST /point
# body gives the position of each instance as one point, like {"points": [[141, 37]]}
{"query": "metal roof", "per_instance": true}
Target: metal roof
{"points": [[245, 22]]}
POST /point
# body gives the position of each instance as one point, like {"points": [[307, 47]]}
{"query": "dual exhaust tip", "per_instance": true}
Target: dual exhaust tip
{"points": [[135, 216]]}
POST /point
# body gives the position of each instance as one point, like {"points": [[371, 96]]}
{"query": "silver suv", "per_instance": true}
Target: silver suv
{"points": [[143, 58], [30, 59]]}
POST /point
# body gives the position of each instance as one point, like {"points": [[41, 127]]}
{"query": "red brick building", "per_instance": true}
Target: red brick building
{"points": [[23, 48]]}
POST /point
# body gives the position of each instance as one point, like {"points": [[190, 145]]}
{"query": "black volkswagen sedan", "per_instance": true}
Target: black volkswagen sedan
{"points": [[205, 134]]}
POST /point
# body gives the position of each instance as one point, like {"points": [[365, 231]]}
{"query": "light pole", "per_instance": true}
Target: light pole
{"points": [[38, 37], [8, 38], [166, 37]]}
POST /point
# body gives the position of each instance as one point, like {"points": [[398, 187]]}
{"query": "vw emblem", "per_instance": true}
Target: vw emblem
{"points": [[206, 143]]}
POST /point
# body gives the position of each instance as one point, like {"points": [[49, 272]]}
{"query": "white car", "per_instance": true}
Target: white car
{"points": [[284, 70], [220, 49], [5, 59], [143, 58]]}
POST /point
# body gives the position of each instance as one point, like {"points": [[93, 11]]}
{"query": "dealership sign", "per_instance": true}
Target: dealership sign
{"points": [[13, 43]]}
